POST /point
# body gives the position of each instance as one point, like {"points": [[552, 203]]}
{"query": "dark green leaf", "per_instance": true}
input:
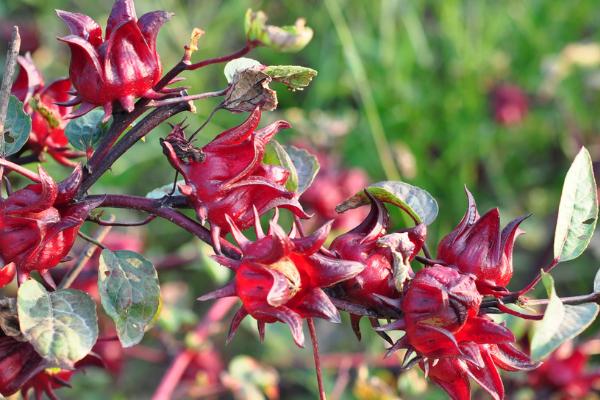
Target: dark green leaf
{"points": [[275, 154], [62, 326], [306, 166], [17, 127], [578, 210], [418, 203], [561, 322], [129, 291], [85, 132]]}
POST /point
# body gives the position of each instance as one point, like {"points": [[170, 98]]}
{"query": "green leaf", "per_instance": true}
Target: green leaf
{"points": [[597, 282], [293, 76], [561, 322], [306, 166], [275, 154], [233, 67], [578, 210], [129, 291], [17, 127], [85, 132], [418, 203], [164, 190], [62, 326], [285, 38]]}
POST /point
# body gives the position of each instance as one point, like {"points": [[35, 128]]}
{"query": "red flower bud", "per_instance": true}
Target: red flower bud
{"points": [[39, 223], [228, 177], [436, 305], [477, 246], [509, 104], [281, 277], [123, 66], [48, 118], [364, 244], [19, 363], [453, 343]]}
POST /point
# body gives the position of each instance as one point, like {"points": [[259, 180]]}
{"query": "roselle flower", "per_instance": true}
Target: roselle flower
{"points": [[228, 177], [332, 185], [281, 277], [48, 119], [477, 246], [509, 104], [19, 363], [39, 223], [123, 66], [565, 375], [364, 244], [449, 339]]}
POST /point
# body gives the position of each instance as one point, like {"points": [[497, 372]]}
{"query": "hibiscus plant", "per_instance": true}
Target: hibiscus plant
{"points": [[442, 309]]}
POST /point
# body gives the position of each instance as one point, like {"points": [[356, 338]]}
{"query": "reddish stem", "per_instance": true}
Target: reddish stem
{"points": [[240, 53], [156, 208], [537, 279], [171, 378], [20, 170], [315, 346]]}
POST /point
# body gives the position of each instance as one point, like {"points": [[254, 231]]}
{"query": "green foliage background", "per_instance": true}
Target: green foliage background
{"points": [[417, 71]]}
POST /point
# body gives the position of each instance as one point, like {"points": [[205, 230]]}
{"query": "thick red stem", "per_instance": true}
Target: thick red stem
{"points": [[315, 346]]}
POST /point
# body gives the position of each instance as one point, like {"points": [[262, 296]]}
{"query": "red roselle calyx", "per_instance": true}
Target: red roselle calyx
{"points": [[477, 246], [509, 103], [48, 119], [368, 244], [123, 66], [39, 223], [228, 177], [281, 277], [451, 341]]}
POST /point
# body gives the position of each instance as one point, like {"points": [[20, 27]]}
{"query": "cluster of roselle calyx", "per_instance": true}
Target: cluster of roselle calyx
{"points": [[446, 331], [122, 66], [39, 224], [227, 177]]}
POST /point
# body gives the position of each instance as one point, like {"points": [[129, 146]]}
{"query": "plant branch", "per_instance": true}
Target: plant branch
{"points": [[145, 126], [19, 169], [157, 208], [315, 346]]}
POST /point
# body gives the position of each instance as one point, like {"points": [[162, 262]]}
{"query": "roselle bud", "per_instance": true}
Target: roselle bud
{"points": [[452, 342], [123, 66], [509, 104], [39, 223], [364, 244], [228, 177], [436, 305], [477, 246], [281, 278], [48, 118]]}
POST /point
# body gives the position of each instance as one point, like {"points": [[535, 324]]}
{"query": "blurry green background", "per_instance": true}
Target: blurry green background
{"points": [[415, 74]]}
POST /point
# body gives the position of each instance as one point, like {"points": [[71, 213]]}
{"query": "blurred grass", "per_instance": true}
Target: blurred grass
{"points": [[417, 74]]}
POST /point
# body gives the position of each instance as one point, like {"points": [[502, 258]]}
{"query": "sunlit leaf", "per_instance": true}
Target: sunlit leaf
{"points": [[129, 291], [561, 322], [62, 326], [578, 210], [293, 76], [306, 165], [285, 38], [17, 127], [417, 202]]}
